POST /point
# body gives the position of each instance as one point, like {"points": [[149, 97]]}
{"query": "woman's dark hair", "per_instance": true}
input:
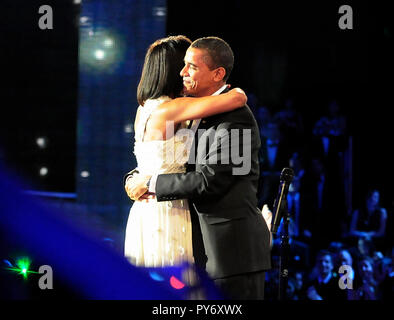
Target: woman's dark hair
{"points": [[162, 66], [219, 52]]}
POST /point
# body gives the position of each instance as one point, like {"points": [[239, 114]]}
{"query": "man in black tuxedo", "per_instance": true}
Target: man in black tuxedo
{"points": [[221, 187]]}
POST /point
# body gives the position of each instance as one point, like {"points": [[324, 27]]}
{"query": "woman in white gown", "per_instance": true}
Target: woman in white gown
{"points": [[159, 234]]}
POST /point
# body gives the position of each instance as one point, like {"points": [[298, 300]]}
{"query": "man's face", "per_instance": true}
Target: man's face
{"points": [[325, 264], [198, 79], [366, 268], [345, 258]]}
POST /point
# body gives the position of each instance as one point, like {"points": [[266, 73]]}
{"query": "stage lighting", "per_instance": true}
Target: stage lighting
{"points": [[155, 276], [108, 43], [43, 171], [22, 266], [83, 20], [99, 54], [176, 283], [85, 174], [128, 128], [100, 49], [159, 11], [41, 142]]}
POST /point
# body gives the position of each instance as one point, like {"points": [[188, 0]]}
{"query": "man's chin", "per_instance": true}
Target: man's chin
{"points": [[187, 91]]}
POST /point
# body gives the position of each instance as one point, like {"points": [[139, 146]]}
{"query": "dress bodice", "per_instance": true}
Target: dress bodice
{"points": [[159, 156]]}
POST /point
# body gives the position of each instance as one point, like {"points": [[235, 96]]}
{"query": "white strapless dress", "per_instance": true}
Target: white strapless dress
{"points": [[159, 234]]}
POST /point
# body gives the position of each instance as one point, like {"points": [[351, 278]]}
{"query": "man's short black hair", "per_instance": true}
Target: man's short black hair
{"points": [[219, 53]]}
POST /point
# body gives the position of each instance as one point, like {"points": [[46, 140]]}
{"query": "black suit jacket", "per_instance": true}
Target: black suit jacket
{"points": [[234, 233]]}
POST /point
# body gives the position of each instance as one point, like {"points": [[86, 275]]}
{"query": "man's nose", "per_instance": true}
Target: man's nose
{"points": [[183, 71]]}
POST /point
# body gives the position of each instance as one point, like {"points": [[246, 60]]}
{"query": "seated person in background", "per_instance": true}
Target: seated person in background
{"points": [[324, 286], [369, 222]]}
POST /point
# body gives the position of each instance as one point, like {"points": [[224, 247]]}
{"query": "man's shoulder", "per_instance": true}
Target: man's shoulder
{"points": [[243, 114]]}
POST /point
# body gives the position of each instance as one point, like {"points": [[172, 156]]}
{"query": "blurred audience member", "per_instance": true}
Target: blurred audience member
{"points": [[383, 275], [300, 291], [314, 201], [387, 285], [344, 258], [329, 143], [294, 195], [274, 156], [291, 123], [330, 131], [324, 286], [364, 286], [291, 288], [369, 223]]}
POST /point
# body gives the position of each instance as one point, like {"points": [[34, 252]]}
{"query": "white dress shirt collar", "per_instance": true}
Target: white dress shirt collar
{"points": [[220, 90]]}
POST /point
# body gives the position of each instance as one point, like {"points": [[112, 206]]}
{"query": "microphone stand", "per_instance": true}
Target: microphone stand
{"points": [[281, 211], [284, 254]]}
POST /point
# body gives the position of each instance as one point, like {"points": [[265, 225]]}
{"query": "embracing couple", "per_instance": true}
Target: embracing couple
{"points": [[202, 211]]}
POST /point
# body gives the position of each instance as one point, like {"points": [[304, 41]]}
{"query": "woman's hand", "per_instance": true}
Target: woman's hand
{"points": [[136, 186]]}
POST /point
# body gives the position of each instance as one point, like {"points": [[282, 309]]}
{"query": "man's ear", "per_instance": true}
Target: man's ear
{"points": [[219, 74]]}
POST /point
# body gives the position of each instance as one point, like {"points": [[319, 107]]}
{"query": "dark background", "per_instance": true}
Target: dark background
{"points": [[321, 62], [40, 92]]}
